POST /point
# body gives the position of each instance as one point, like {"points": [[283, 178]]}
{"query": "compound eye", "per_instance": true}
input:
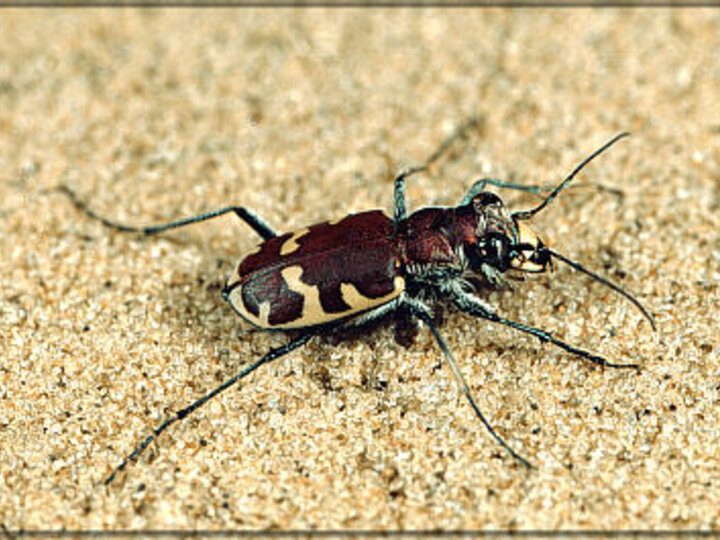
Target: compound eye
{"points": [[485, 198], [495, 250]]}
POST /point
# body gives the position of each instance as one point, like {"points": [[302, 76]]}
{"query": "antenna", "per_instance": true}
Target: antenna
{"points": [[610, 284], [527, 214]]}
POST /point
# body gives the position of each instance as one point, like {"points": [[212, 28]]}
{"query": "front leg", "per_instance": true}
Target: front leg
{"points": [[470, 304], [480, 185]]}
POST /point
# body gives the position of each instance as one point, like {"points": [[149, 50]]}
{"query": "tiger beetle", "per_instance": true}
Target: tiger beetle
{"points": [[347, 272]]}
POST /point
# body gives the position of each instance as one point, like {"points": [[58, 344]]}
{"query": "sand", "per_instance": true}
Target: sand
{"points": [[307, 115]]}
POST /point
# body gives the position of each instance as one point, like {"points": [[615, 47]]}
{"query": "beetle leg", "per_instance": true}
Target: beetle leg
{"points": [[257, 224], [399, 207], [182, 413], [470, 304], [480, 185], [406, 326], [421, 311]]}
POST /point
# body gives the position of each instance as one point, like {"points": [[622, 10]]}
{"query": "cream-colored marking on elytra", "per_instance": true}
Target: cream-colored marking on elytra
{"points": [[291, 244], [262, 319], [359, 302], [313, 312]]}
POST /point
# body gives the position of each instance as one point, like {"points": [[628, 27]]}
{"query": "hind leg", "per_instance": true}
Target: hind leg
{"points": [[257, 224]]}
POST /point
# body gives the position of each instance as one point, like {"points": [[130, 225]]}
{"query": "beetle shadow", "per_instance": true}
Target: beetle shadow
{"points": [[194, 301]]}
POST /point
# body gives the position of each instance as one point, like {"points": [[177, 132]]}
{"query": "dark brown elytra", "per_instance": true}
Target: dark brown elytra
{"points": [[358, 251], [336, 275]]}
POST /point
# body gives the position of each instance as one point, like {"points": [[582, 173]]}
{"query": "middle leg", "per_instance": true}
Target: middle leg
{"points": [[399, 207], [421, 312]]}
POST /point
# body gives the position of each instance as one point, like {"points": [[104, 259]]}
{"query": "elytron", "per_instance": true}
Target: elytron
{"points": [[347, 272]]}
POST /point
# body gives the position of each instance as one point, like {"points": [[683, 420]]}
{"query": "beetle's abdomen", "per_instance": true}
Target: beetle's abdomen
{"points": [[319, 275]]}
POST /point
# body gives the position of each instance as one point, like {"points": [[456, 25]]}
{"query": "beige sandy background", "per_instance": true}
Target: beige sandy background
{"points": [[304, 115]]}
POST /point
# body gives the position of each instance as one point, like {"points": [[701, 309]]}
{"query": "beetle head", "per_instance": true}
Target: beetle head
{"points": [[502, 242]]}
